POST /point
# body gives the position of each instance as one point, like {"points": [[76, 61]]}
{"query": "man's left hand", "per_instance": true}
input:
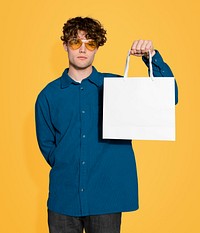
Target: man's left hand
{"points": [[140, 48]]}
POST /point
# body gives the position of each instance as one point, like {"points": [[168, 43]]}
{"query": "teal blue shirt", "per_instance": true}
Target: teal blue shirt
{"points": [[89, 175]]}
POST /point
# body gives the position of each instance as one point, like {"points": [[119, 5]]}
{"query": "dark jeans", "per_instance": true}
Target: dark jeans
{"points": [[107, 223]]}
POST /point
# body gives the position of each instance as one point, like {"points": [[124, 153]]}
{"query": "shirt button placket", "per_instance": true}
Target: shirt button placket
{"points": [[83, 154]]}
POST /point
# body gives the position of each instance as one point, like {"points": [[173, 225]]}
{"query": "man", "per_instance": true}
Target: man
{"points": [[92, 180]]}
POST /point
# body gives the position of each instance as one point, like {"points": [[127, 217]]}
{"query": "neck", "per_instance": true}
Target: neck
{"points": [[79, 74]]}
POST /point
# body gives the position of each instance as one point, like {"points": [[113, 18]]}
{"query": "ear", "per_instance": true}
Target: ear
{"points": [[65, 47]]}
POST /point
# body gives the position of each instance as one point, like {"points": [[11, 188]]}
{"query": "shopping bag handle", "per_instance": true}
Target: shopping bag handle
{"points": [[127, 65]]}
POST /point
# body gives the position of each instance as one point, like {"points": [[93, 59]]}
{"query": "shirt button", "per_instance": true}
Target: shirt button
{"points": [[83, 162], [82, 88], [155, 60], [163, 71], [83, 135], [82, 190], [83, 111]]}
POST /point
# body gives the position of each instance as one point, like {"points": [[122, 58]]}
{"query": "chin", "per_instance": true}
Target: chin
{"points": [[82, 67]]}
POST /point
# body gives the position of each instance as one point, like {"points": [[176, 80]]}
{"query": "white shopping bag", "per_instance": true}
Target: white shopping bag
{"points": [[139, 108]]}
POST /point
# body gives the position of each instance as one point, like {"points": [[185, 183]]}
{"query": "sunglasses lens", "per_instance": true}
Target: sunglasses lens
{"points": [[91, 45], [75, 43]]}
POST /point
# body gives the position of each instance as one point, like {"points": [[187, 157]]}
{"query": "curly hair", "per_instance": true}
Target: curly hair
{"points": [[93, 28]]}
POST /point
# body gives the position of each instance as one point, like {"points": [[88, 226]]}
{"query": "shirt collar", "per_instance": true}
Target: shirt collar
{"points": [[95, 77], [65, 79]]}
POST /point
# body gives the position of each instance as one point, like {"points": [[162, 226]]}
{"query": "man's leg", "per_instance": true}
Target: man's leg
{"points": [[59, 223], [107, 223]]}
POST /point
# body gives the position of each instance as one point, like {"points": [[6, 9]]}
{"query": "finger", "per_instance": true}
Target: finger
{"points": [[144, 46], [149, 46], [139, 45], [139, 48], [133, 47]]}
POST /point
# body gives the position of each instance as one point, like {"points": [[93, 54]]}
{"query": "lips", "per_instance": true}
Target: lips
{"points": [[82, 57]]}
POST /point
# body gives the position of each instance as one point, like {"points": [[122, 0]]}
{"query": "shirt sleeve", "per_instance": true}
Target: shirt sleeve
{"points": [[44, 129], [161, 69]]}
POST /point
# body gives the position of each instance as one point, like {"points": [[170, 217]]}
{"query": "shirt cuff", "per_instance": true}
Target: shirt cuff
{"points": [[157, 60]]}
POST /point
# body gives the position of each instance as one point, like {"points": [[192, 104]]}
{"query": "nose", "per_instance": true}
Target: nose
{"points": [[82, 49]]}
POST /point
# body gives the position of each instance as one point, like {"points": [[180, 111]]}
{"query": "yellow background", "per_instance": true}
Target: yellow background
{"points": [[32, 55]]}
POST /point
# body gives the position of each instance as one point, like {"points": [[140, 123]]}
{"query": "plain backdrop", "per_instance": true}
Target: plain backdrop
{"points": [[32, 55]]}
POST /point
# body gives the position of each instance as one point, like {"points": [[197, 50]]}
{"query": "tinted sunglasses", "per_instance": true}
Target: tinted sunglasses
{"points": [[76, 43]]}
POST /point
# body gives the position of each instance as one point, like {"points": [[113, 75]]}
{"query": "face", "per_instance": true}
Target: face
{"points": [[80, 58]]}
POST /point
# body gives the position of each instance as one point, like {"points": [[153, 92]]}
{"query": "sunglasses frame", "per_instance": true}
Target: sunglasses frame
{"points": [[83, 41]]}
